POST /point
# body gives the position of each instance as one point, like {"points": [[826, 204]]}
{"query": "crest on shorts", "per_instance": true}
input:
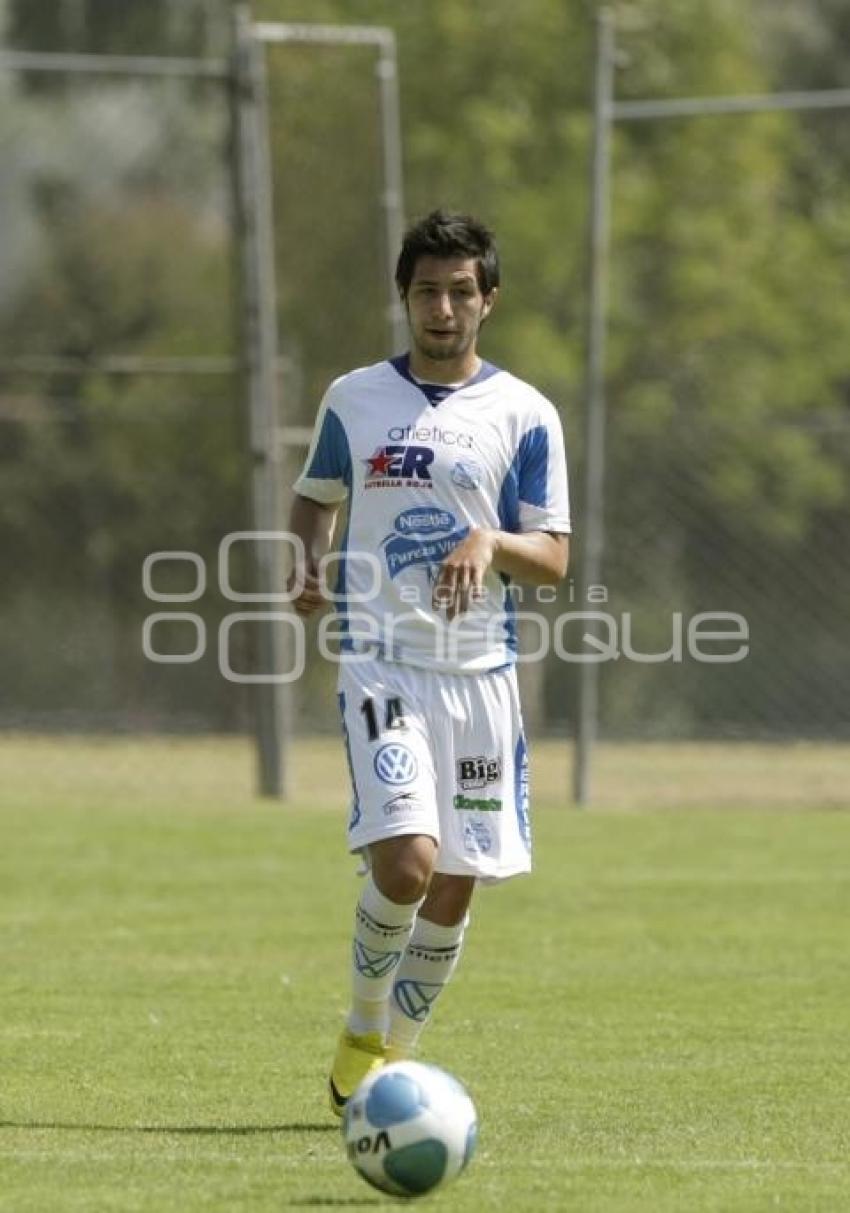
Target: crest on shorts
{"points": [[477, 837]]}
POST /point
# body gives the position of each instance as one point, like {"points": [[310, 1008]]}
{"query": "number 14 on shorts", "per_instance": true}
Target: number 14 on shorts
{"points": [[393, 716]]}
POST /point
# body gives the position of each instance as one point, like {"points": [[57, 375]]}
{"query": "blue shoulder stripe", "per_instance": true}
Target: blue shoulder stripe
{"points": [[534, 466], [526, 479], [332, 457]]}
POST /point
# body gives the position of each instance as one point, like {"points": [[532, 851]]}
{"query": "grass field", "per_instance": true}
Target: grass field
{"points": [[658, 1020]]}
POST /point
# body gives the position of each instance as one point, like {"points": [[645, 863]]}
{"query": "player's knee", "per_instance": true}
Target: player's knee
{"points": [[402, 867], [448, 899], [407, 884]]}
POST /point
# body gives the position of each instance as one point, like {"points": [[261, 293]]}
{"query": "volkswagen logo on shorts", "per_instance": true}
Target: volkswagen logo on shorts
{"points": [[396, 764]]}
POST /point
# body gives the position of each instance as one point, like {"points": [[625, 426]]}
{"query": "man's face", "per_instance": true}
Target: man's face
{"points": [[445, 306]]}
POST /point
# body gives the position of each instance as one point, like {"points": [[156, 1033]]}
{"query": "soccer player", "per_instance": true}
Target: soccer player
{"points": [[455, 476]]}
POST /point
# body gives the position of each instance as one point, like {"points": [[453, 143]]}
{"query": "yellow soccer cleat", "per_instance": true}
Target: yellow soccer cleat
{"points": [[355, 1057], [397, 1053]]}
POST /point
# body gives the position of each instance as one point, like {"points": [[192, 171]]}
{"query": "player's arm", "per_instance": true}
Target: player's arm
{"points": [[536, 548], [537, 557], [318, 494], [313, 523]]}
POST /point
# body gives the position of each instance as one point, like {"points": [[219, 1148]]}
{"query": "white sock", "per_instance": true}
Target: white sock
{"points": [[381, 931], [429, 961]]}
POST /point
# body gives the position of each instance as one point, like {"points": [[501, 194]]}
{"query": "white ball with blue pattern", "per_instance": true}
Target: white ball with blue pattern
{"points": [[409, 1128]]}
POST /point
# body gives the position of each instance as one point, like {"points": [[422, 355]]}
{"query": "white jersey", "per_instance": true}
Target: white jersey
{"points": [[421, 465]]}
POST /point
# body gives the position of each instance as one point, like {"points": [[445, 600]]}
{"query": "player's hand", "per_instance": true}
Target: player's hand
{"points": [[312, 595], [461, 578]]}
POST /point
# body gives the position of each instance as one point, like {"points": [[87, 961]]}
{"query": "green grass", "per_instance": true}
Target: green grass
{"points": [[657, 1020]]}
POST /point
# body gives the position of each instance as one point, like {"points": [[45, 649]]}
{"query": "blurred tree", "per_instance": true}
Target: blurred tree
{"points": [[729, 362], [118, 198], [723, 388], [807, 40], [725, 392], [137, 27]]}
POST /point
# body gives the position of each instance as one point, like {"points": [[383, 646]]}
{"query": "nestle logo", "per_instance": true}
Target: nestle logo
{"points": [[423, 522]]}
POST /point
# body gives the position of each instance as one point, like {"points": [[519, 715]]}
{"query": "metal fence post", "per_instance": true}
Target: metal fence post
{"points": [[593, 521], [255, 235], [393, 201], [392, 197]]}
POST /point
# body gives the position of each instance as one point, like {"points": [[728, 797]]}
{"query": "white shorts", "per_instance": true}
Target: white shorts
{"points": [[438, 754]]}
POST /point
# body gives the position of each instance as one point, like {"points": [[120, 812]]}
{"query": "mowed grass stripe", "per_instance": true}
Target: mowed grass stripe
{"points": [[655, 1021]]}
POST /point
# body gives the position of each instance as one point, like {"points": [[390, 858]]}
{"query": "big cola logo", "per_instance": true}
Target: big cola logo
{"points": [[478, 772]]}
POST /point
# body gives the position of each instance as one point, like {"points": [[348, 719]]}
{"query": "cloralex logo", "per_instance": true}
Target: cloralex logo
{"points": [[421, 537]]}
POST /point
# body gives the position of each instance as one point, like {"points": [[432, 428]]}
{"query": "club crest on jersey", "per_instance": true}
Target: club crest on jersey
{"points": [[466, 474], [397, 465]]}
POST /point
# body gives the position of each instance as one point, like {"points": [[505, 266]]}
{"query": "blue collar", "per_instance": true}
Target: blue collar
{"points": [[436, 393]]}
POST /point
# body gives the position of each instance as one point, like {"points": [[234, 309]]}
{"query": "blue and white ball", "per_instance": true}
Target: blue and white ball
{"points": [[409, 1128]]}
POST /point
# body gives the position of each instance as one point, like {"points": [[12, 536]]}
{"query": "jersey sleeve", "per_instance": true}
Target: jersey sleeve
{"points": [[541, 476], [326, 475]]}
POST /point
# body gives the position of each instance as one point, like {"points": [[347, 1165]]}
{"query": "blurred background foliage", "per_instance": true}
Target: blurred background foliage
{"points": [[729, 358]]}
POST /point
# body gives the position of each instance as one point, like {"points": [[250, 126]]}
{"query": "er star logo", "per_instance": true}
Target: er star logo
{"points": [[380, 462]]}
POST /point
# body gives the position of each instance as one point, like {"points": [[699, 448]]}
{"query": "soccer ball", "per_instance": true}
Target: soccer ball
{"points": [[409, 1128]]}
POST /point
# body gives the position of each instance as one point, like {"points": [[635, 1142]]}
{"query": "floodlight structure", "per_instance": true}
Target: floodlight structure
{"points": [[607, 111]]}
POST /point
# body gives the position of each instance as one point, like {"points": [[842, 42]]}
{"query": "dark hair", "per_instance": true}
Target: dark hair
{"points": [[445, 234]]}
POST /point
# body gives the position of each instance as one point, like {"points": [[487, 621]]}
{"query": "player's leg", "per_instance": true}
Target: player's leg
{"points": [[480, 761], [482, 789], [400, 870], [429, 960], [383, 921], [394, 820], [402, 866], [448, 899]]}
